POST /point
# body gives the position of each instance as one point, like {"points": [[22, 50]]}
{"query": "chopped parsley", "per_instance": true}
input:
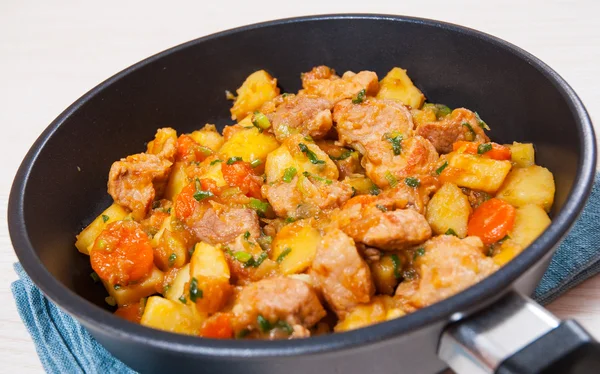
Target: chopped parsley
{"points": [[256, 262], [242, 256], [440, 110], [374, 190], [412, 182], [191, 250], [312, 157], [409, 274], [381, 207], [205, 150], [309, 138], [261, 207], [396, 263], [481, 122], [95, 277], [290, 219], [418, 253], [247, 235], [451, 231], [395, 139], [284, 326], [468, 126], [283, 254], [360, 97], [483, 148], [260, 121], [182, 299], [344, 155], [391, 179], [233, 160], [289, 174], [265, 242], [166, 288], [255, 163], [195, 292], [105, 218], [172, 259], [201, 195], [242, 334], [215, 161], [316, 177], [117, 287], [263, 324], [439, 170]]}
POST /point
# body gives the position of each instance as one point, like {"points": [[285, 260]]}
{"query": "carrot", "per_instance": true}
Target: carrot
{"points": [[192, 195], [130, 312], [122, 253], [492, 220], [189, 150], [488, 150], [217, 327], [240, 174]]}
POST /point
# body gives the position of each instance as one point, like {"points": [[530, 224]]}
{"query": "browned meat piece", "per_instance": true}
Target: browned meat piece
{"points": [[461, 124], [342, 274], [164, 144], [277, 299], [476, 198], [221, 224], [323, 83], [347, 160], [402, 196], [448, 266], [309, 115], [135, 181], [304, 197]]}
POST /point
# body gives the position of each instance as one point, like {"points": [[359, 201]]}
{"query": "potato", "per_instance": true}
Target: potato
{"points": [[449, 208], [508, 250], [257, 89], [162, 136], [85, 239], [209, 137], [173, 316], [522, 154], [213, 171], [289, 154], [530, 221], [177, 180], [384, 273], [475, 172], [249, 144], [132, 293], [295, 246], [529, 185], [396, 85], [175, 289], [171, 250], [380, 309], [208, 267], [362, 185]]}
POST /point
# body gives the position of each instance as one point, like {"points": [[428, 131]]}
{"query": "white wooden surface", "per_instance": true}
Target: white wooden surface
{"points": [[53, 52]]}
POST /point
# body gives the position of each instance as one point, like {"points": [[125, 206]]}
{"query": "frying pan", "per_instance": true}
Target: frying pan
{"points": [[490, 327]]}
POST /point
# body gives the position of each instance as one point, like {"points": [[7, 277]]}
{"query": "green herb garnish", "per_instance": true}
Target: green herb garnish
{"points": [[261, 207], [105, 218], [182, 299], [195, 292], [215, 161], [242, 256], [283, 254], [360, 97], [468, 126], [247, 235], [439, 170], [172, 259], [418, 253], [312, 157], [395, 139], [263, 324], [483, 148], [451, 232], [481, 123], [233, 160], [117, 287], [284, 326], [316, 177], [412, 182], [260, 121], [256, 262], [255, 163], [396, 263], [381, 207], [201, 195], [374, 190], [391, 179], [289, 174], [344, 155]]}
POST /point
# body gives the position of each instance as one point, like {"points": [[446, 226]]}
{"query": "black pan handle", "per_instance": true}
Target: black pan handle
{"points": [[515, 335]]}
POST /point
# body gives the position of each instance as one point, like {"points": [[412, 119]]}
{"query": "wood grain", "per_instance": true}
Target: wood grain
{"points": [[53, 52]]}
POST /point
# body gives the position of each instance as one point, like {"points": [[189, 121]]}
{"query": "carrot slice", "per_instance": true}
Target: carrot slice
{"points": [[130, 312], [217, 327], [492, 220], [488, 150], [241, 174]]}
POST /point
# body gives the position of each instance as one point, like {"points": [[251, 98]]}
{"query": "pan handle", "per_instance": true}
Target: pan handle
{"points": [[515, 335]]}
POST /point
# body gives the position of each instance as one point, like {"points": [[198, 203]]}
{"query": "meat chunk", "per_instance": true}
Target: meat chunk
{"points": [[448, 266], [221, 224], [306, 196], [309, 115], [277, 299], [402, 196], [323, 82], [342, 274], [461, 124], [134, 182]]}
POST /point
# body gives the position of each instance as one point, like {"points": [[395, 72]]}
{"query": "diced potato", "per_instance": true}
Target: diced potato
{"points": [[162, 136], [209, 137], [209, 268], [213, 171], [529, 185], [397, 85], [257, 89], [177, 180], [508, 250], [177, 286], [249, 144], [85, 239], [449, 208], [171, 250], [426, 115], [380, 309], [289, 154], [530, 222], [475, 172], [296, 244], [362, 185], [522, 154], [132, 293], [384, 273], [173, 316]]}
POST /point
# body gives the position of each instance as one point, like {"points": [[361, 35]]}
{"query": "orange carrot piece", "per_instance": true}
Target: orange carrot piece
{"points": [[497, 151], [492, 220]]}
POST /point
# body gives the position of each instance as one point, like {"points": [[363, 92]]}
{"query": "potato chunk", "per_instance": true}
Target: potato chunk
{"points": [[125, 295], [177, 180], [209, 137], [530, 221], [397, 85], [173, 316], [295, 246], [249, 144], [380, 309], [530, 185], [175, 289], [522, 154], [210, 273], [474, 172], [85, 239], [257, 89], [449, 208]]}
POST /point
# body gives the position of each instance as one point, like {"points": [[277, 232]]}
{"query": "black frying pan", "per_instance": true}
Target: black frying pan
{"points": [[61, 186]]}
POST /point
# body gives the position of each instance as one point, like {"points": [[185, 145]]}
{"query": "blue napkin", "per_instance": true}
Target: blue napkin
{"points": [[64, 346]]}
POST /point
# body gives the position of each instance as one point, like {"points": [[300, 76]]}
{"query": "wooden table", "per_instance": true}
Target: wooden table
{"points": [[50, 55]]}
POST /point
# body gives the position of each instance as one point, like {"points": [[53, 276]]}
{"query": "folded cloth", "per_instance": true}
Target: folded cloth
{"points": [[64, 346]]}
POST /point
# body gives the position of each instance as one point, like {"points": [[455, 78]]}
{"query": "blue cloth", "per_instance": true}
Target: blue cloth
{"points": [[64, 346]]}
